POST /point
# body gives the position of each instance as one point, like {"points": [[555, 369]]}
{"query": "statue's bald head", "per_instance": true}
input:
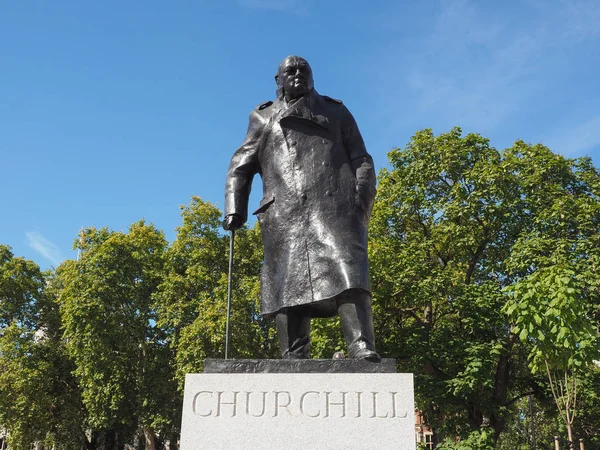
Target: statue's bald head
{"points": [[294, 78]]}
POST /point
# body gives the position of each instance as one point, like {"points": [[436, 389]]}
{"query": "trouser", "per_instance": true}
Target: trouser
{"points": [[356, 317]]}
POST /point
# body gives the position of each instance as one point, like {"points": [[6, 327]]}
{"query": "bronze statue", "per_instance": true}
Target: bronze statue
{"points": [[319, 188]]}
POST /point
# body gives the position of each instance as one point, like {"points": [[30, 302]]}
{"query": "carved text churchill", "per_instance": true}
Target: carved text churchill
{"points": [[311, 404]]}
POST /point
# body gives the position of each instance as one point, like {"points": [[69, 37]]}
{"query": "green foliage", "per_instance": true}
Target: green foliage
{"points": [[37, 402], [477, 440], [21, 284], [21, 363], [587, 425], [457, 224], [441, 227], [518, 428], [485, 275], [25, 410], [192, 299], [123, 366], [554, 300], [326, 338], [550, 316]]}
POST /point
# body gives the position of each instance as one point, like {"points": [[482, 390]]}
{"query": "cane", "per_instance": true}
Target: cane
{"points": [[229, 281]]}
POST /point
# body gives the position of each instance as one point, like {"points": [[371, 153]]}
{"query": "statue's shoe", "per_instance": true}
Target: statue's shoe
{"points": [[368, 355]]}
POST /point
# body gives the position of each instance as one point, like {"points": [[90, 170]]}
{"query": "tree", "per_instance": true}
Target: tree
{"points": [[548, 422], [123, 364], [550, 318], [587, 426], [36, 399], [69, 416], [442, 224], [555, 298], [21, 368], [477, 440], [21, 296], [450, 214], [193, 296], [518, 433]]}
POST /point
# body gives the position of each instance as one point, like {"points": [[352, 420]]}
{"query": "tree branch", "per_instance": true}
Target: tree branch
{"points": [[412, 313], [475, 259], [552, 384], [574, 388], [432, 370], [503, 371], [445, 182], [519, 397]]}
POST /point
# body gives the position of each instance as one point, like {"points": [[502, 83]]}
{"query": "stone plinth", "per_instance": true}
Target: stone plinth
{"points": [[298, 366], [317, 404]]}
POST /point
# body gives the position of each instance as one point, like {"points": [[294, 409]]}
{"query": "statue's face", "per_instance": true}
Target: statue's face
{"points": [[295, 77]]}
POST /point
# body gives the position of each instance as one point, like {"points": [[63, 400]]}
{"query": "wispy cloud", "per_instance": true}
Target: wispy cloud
{"points": [[479, 66], [578, 139], [44, 247], [581, 19], [289, 6]]}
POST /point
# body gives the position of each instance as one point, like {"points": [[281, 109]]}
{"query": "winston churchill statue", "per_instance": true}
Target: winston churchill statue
{"points": [[319, 187]]}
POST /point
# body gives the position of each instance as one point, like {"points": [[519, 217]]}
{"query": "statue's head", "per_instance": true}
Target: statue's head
{"points": [[294, 78]]}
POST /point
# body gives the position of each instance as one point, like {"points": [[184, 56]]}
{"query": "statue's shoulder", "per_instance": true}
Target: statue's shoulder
{"points": [[331, 99], [261, 115], [262, 112], [263, 106]]}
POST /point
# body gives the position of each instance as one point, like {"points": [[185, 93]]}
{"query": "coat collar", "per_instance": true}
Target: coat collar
{"points": [[311, 107]]}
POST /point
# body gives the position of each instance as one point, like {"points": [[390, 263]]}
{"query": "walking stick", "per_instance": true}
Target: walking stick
{"points": [[229, 280]]}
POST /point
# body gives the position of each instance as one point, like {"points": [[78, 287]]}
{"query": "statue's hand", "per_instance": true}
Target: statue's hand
{"points": [[232, 222], [364, 197]]}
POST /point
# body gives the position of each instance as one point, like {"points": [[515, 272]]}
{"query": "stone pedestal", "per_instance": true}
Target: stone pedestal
{"points": [[298, 404], [298, 366]]}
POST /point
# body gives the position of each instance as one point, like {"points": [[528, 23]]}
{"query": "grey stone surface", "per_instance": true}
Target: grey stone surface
{"points": [[298, 366], [298, 411]]}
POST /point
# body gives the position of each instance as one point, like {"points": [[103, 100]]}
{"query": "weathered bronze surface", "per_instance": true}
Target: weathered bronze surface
{"points": [[319, 188], [298, 366]]}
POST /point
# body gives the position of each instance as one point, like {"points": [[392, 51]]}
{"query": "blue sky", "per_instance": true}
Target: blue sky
{"points": [[115, 111]]}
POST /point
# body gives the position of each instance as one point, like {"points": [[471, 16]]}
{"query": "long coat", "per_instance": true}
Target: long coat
{"points": [[319, 187]]}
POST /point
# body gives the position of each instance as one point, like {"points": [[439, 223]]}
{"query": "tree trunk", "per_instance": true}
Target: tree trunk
{"points": [[151, 441], [110, 440], [570, 434], [90, 442]]}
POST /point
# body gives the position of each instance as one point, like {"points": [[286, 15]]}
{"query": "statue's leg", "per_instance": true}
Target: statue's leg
{"points": [[293, 329], [356, 316]]}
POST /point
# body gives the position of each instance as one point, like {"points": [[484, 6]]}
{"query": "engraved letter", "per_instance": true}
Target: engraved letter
{"points": [[330, 403], [387, 414], [220, 403], [358, 406], [278, 405], [302, 404], [262, 411], [394, 407], [195, 407]]}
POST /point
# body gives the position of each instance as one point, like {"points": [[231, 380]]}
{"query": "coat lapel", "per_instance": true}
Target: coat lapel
{"points": [[307, 108]]}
